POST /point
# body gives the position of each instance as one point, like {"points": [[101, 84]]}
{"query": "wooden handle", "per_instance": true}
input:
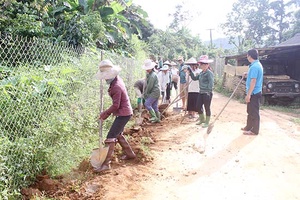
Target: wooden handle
{"points": [[229, 99], [101, 107]]}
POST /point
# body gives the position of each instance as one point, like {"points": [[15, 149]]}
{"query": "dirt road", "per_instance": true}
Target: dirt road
{"points": [[234, 166]]}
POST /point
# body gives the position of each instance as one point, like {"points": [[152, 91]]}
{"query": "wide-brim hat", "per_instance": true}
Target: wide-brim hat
{"points": [[180, 58], [185, 67], [164, 67], [204, 59], [107, 70], [167, 63], [148, 64], [173, 63], [191, 61]]}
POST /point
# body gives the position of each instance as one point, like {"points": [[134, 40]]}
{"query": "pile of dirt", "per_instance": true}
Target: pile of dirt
{"points": [[83, 183]]}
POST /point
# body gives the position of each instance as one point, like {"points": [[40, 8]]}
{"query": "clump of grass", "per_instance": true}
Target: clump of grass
{"points": [[296, 121], [284, 109]]}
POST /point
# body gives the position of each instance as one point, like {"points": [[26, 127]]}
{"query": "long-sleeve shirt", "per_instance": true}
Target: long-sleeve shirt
{"points": [[121, 104], [174, 74], [152, 86], [163, 79], [194, 84], [140, 84], [206, 81], [182, 74]]}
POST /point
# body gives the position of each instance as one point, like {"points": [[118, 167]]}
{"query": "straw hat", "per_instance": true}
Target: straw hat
{"points": [[173, 63], [167, 63], [185, 67], [191, 61], [107, 70], [204, 59], [148, 64], [180, 58], [164, 67]]}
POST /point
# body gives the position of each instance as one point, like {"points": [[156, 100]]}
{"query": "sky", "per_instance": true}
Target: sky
{"points": [[207, 14]]}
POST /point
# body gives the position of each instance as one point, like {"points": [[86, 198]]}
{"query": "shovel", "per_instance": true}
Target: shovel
{"points": [[201, 147], [99, 154], [187, 99], [177, 98], [211, 125], [164, 104]]}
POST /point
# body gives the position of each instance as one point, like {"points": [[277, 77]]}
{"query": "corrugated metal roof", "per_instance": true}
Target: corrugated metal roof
{"points": [[294, 41], [290, 45], [261, 52]]}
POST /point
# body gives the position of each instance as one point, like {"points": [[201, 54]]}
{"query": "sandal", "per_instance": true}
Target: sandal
{"points": [[249, 133], [244, 129]]}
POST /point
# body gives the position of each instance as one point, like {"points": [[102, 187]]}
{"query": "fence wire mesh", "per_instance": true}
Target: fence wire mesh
{"points": [[49, 103]]}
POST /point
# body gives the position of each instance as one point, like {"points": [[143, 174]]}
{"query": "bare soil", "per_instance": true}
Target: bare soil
{"points": [[170, 165]]}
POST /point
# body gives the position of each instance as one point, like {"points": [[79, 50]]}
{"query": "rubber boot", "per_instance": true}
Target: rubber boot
{"points": [[153, 115], [140, 107], [138, 119], [157, 113], [205, 125], [110, 142], [129, 154], [201, 119]]}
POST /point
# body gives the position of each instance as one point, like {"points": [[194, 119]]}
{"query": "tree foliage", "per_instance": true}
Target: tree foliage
{"points": [[170, 44], [258, 22], [109, 24], [295, 26]]}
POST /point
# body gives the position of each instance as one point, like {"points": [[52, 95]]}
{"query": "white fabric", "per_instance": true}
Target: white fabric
{"points": [[163, 79], [148, 64], [194, 85], [190, 61], [174, 71], [175, 74], [109, 73]]}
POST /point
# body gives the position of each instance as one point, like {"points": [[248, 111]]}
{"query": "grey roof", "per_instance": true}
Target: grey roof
{"points": [[290, 45], [294, 41]]}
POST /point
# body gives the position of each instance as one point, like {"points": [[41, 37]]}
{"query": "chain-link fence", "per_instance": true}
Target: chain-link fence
{"points": [[49, 104]]}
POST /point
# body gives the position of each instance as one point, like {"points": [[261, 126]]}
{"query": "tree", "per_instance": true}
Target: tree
{"points": [[295, 27], [107, 23], [181, 17], [138, 22], [236, 26], [170, 44], [25, 18], [258, 22]]}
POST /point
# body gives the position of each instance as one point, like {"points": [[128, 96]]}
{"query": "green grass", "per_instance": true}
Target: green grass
{"points": [[295, 110], [297, 121]]}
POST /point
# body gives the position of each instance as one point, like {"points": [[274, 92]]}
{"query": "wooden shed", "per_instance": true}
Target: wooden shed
{"points": [[282, 61]]}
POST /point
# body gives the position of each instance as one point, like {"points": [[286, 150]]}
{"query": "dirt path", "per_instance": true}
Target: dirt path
{"points": [[233, 166]]}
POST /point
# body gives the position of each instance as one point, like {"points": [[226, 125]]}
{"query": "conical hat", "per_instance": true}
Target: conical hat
{"points": [[148, 64], [107, 70], [190, 61]]}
